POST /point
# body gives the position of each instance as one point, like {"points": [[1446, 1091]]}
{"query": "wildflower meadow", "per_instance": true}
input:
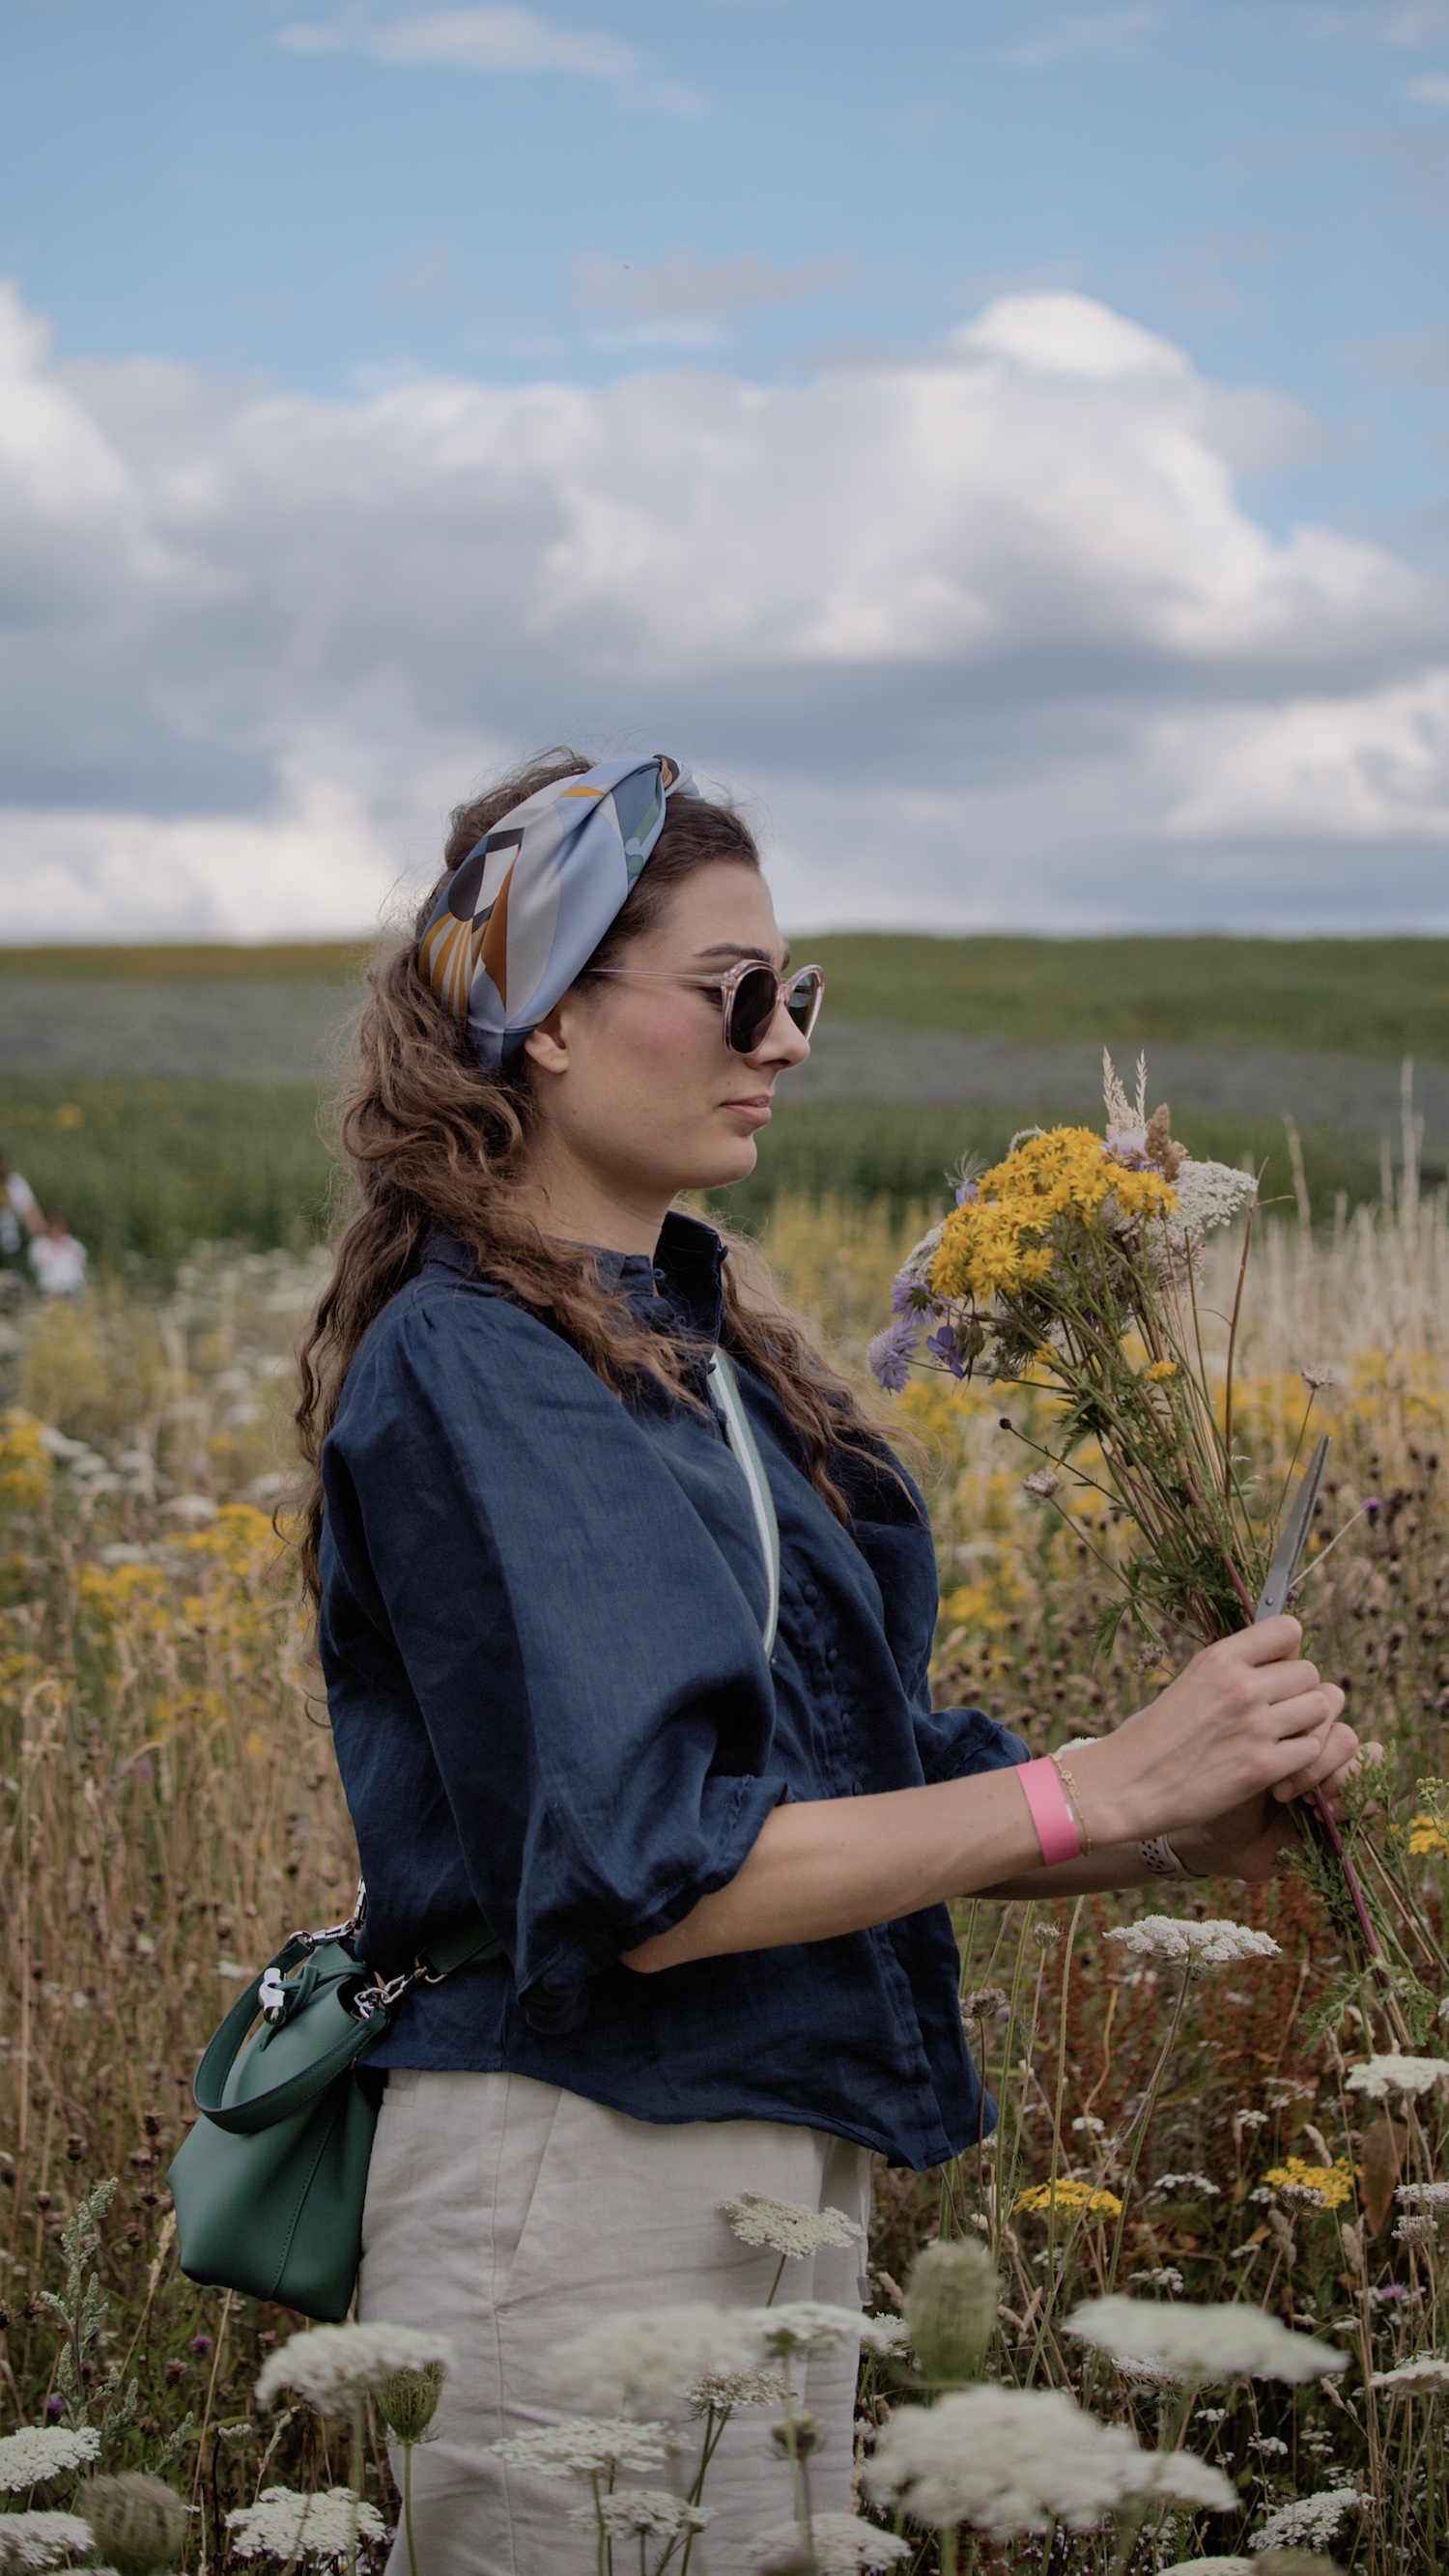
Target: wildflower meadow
{"points": [[1185, 2306]]}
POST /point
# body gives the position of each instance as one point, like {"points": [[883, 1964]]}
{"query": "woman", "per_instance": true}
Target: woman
{"points": [[718, 1873]]}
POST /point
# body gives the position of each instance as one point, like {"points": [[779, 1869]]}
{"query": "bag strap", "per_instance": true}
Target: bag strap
{"points": [[468, 1940], [725, 1388]]}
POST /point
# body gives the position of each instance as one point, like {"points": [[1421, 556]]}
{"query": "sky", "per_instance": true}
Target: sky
{"points": [[1004, 445]]}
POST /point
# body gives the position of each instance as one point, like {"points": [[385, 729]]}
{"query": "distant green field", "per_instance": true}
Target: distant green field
{"points": [[147, 1168], [1375, 997]]}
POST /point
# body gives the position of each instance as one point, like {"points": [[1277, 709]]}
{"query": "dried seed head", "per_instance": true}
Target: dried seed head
{"points": [[408, 2400], [951, 2311], [799, 2436], [1046, 1935], [139, 2524]]}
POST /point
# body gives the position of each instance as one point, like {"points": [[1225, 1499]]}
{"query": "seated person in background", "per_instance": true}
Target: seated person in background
{"points": [[57, 1259], [19, 1211]]}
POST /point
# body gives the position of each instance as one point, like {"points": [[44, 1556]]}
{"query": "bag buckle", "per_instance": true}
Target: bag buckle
{"points": [[272, 1995]]}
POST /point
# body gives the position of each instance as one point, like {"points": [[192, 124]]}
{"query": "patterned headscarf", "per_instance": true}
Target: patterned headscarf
{"points": [[521, 916]]}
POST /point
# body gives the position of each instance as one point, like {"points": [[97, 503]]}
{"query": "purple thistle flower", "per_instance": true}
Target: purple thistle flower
{"points": [[910, 1296], [944, 1347], [53, 2409], [889, 1356]]}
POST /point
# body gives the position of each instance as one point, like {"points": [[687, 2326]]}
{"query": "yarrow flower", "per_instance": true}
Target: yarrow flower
{"points": [[1423, 2195], [1380, 2076], [642, 2513], [1229, 2340], [1425, 2376], [334, 2365], [589, 2447], [42, 2539], [1007, 2460], [788, 2227], [41, 2451], [1043, 1482], [1079, 2199], [282, 2524], [645, 2360], [719, 2391], [1203, 1945], [842, 2544], [1308, 2518], [1317, 1375]]}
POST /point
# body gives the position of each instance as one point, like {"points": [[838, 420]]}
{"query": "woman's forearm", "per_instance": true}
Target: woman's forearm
{"points": [[832, 1865]]}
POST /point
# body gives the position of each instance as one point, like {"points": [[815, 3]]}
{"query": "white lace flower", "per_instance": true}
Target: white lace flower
{"points": [[1379, 2076], [1206, 1945], [1211, 2567], [333, 2365], [642, 2513], [1007, 2459], [844, 2544], [646, 2360], [1198, 2184], [42, 2539], [804, 2326], [282, 2524], [787, 2226], [588, 2447], [1423, 2195], [1208, 1195], [1308, 2518], [41, 2451], [721, 2390], [1226, 2341], [1426, 2375]]}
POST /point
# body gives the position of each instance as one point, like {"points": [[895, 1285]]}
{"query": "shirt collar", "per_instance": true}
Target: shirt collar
{"points": [[685, 1277]]}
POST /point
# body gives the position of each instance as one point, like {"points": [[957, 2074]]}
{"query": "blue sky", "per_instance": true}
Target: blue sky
{"points": [[260, 226]]}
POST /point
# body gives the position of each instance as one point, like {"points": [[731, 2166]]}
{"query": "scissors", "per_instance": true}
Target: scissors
{"points": [[1282, 1575], [1288, 1555]]}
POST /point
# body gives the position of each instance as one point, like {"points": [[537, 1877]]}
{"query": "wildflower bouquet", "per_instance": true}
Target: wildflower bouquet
{"points": [[1071, 1264]]}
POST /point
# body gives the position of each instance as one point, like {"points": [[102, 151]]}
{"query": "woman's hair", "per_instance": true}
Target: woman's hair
{"points": [[435, 1140]]}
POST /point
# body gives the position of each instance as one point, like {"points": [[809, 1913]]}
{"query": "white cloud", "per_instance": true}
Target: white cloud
{"points": [[1431, 86], [499, 39], [1075, 32], [984, 634]]}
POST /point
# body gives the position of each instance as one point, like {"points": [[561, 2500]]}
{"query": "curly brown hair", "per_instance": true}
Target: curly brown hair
{"points": [[435, 1140]]}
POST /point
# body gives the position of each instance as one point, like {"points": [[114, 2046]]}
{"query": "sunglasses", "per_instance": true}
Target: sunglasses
{"points": [[749, 997]]}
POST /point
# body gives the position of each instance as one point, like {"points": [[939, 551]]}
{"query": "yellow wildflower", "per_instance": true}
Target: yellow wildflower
{"points": [[1159, 1371], [992, 1244], [1334, 2181], [25, 1468], [1426, 1834], [1079, 2199]]}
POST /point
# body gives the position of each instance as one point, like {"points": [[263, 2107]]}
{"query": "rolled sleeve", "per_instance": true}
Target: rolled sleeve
{"points": [[956, 1743], [585, 1656]]}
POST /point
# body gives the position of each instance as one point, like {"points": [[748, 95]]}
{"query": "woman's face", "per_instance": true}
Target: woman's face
{"points": [[633, 1079]]}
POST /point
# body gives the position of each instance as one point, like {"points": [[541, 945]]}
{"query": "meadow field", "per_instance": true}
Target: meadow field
{"points": [[171, 1809]]}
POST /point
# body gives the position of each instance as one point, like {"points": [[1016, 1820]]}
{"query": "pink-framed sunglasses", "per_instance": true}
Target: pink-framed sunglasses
{"points": [[749, 996]]}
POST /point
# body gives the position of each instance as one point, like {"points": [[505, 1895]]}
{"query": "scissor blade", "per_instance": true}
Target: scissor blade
{"points": [[1288, 1554]]}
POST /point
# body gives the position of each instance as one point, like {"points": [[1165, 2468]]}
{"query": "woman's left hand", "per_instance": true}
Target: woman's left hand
{"points": [[1250, 1840]]}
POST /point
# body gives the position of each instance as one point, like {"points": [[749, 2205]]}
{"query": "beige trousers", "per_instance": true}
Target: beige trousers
{"points": [[510, 2215]]}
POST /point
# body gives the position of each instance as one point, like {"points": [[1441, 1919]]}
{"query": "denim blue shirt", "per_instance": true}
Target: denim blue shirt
{"points": [[541, 1630]]}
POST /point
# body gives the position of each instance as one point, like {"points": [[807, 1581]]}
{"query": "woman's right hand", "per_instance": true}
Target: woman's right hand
{"points": [[1246, 1714]]}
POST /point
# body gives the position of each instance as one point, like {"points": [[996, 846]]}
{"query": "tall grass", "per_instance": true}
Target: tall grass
{"points": [[170, 1809]]}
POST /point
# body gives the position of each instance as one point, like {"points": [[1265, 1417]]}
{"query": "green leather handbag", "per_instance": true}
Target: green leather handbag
{"points": [[270, 2183]]}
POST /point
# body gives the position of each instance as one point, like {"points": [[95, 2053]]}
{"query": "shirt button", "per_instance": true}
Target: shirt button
{"points": [[809, 1592], [832, 1656]]}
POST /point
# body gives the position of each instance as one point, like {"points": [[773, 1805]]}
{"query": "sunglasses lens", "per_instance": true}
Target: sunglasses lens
{"points": [[756, 1001], [802, 1001]]}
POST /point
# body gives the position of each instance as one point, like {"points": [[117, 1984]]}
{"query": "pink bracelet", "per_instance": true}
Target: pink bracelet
{"points": [[1056, 1826]]}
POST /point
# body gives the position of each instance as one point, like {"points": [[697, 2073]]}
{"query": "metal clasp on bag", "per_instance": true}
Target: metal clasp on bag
{"points": [[387, 1991], [272, 1995]]}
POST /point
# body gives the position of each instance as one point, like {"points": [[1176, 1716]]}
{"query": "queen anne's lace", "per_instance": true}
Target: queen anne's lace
{"points": [[804, 2326], [333, 2365], [1379, 2076], [282, 2524], [842, 2544], [1308, 2518], [642, 2513], [1426, 2375], [1007, 2459], [787, 2226], [645, 2360], [587, 2448], [1227, 2341], [1205, 1945], [42, 2539], [41, 2451]]}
